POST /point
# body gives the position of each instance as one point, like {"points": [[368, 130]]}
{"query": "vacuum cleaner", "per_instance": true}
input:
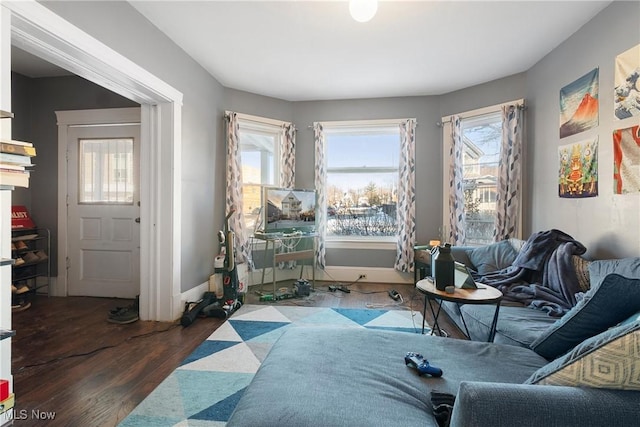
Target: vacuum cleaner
{"points": [[212, 305]]}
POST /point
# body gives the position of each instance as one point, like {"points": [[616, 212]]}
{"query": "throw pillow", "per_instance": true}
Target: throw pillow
{"points": [[581, 267], [627, 267], [493, 257], [609, 360], [605, 305]]}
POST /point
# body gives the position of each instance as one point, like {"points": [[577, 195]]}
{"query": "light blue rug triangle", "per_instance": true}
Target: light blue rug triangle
{"points": [[135, 420], [165, 402], [361, 317], [200, 390], [327, 316]]}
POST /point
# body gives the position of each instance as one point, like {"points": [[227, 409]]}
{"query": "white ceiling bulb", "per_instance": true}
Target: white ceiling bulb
{"points": [[363, 10]]}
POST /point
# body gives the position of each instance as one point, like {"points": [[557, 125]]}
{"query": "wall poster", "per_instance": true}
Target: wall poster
{"points": [[626, 160], [627, 85], [579, 105], [578, 173]]}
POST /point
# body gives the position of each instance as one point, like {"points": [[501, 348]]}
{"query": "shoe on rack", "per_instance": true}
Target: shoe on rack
{"points": [[13, 247], [30, 258], [124, 316], [42, 255], [20, 289], [18, 261], [20, 245]]}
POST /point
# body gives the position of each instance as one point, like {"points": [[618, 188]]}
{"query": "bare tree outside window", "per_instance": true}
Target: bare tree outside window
{"points": [[362, 174], [482, 138]]}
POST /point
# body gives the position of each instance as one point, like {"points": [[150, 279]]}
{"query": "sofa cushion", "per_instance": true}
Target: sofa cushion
{"points": [[609, 360], [627, 267], [493, 257], [356, 376], [605, 305], [518, 326]]}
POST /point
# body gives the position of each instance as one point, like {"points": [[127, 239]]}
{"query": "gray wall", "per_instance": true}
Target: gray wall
{"points": [[21, 127], [608, 225], [37, 122], [122, 28]]}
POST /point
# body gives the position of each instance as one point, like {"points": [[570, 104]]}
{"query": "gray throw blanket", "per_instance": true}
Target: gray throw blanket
{"points": [[542, 276]]}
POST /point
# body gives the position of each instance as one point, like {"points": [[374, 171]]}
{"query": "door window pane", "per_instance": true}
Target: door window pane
{"points": [[105, 171]]}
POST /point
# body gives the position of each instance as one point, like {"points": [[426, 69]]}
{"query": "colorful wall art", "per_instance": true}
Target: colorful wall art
{"points": [[626, 160], [579, 105], [627, 84], [578, 174]]}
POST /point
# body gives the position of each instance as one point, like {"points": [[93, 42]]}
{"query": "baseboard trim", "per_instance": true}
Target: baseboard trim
{"points": [[334, 274]]}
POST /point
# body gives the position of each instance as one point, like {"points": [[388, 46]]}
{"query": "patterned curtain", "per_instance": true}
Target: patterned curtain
{"points": [[406, 210], [287, 174], [320, 183], [509, 174], [457, 224], [234, 191], [288, 156]]}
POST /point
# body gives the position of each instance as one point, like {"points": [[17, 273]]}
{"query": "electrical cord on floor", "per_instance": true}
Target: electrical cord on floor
{"points": [[340, 283], [96, 350]]}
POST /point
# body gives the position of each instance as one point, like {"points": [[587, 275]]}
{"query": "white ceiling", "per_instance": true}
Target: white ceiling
{"points": [[313, 50]]}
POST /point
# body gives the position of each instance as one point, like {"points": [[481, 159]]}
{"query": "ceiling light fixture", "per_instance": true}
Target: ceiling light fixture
{"points": [[363, 10]]}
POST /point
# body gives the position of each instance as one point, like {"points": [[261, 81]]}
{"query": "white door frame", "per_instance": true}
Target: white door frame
{"points": [[39, 31]]}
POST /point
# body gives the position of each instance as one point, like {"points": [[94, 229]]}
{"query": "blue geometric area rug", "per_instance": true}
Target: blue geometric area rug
{"points": [[205, 388]]}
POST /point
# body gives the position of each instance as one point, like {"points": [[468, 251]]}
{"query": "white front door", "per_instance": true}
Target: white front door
{"points": [[103, 199]]}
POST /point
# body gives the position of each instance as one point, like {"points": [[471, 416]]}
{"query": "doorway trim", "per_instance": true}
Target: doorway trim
{"points": [[39, 31]]}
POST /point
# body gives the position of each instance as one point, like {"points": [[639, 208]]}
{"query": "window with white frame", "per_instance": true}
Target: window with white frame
{"points": [[259, 154], [482, 141], [362, 161], [106, 171]]}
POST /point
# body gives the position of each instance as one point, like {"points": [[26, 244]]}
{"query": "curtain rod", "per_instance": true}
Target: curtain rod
{"points": [[355, 123], [482, 111], [258, 119]]}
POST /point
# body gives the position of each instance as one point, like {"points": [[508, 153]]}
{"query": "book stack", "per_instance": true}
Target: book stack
{"points": [[15, 158]]}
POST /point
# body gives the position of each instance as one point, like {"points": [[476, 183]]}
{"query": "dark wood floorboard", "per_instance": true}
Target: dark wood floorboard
{"points": [[67, 360]]}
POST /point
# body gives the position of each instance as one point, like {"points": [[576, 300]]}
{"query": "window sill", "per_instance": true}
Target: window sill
{"points": [[388, 244]]}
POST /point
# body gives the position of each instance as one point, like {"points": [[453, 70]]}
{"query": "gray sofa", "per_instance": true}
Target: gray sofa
{"points": [[517, 324], [357, 377], [577, 370], [521, 325]]}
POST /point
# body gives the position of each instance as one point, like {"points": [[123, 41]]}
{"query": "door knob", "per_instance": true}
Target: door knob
{"points": [[137, 220]]}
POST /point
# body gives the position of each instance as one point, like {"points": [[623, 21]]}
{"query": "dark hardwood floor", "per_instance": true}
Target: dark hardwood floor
{"points": [[73, 368]]}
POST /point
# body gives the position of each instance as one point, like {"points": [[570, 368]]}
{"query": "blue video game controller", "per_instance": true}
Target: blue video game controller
{"points": [[421, 364]]}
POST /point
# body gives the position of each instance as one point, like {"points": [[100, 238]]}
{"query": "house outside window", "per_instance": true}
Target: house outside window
{"points": [[362, 161], [481, 134], [259, 154]]}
